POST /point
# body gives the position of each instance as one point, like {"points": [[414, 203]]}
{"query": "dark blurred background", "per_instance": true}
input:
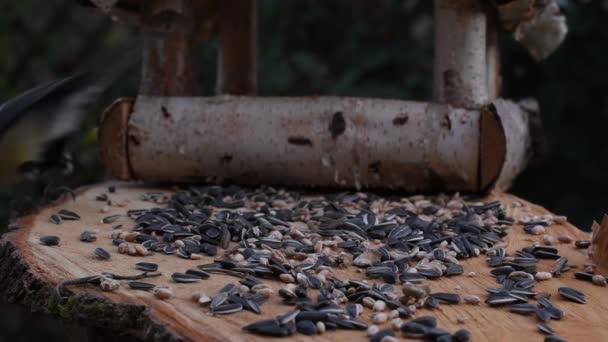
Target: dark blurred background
{"points": [[379, 48]]}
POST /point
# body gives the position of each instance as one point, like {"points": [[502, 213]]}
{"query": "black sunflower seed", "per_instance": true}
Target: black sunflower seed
{"points": [[461, 335], [199, 273], [306, 327], [427, 321], [87, 236], [413, 329], [553, 338], [449, 298], [137, 285], [380, 335], [102, 253], [68, 215], [523, 308], [270, 327], [185, 278], [56, 219], [583, 276], [544, 328], [543, 315], [50, 240], [454, 269], [582, 244], [146, 266], [227, 309], [572, 295], [110, 219]]}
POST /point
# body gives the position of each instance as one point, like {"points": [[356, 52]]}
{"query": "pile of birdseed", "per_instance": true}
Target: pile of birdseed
{"points": [[266, 233]]}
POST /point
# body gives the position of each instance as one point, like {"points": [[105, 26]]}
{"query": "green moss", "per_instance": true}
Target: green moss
{"points": [[111, 316]]}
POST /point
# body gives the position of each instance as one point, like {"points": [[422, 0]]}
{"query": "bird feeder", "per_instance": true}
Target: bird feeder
{"points": [[466, 139]]}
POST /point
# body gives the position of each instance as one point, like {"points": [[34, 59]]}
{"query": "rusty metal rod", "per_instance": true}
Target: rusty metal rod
{"points": [[168, 49], [237, 55]]}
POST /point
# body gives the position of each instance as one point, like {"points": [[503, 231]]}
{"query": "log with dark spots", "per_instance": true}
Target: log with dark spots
{"points": [[225, 159], [337, 126], [401, 120], [300, 141], [375, 166], [165, 112], [447, 122]]}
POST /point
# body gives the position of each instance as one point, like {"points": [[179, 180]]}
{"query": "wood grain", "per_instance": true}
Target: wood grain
{"points": [[28, 270]]}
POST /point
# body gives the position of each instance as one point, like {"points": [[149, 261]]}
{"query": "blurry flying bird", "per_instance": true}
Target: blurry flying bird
{"points": [[38, 125]]}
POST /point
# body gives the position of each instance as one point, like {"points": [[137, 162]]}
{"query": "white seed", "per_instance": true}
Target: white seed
{"points": [[460, 319], [320, 327], [537, 230], [393, 314], [549, 240], [196, 295], [162, 292], [196, 256], [372, 330], [238, 257], [599, 280], [287, 278], [472, 274], [396, 323], [560, 219], [204, 300], [265, 292], [243, 289], [471, 299], [543, 276], [379, 306], [179, 244], [565, 238], [379, 317], [141, 250], [368, 302], [455, 204], [389, 338], [104, 209]]}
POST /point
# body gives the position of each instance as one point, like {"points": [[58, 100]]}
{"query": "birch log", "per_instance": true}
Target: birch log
{"points": [[460, 73], [323, 141]]}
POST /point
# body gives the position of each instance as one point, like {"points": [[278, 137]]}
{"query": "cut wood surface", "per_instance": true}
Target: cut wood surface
{"points": [[29, 271]]}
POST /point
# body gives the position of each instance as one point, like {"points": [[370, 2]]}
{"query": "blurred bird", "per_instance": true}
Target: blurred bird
{"points": [[37, 126]]}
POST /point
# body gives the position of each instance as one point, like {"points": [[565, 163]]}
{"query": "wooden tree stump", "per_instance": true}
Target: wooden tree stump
{"points": [[29, 273]]}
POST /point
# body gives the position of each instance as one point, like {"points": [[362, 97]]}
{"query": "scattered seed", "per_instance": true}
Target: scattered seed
{"points": [[87, 236], [471, 299], [599, 280], [162, 292], [543, 276], [572, 295], [146, 266], [50, 240], [544, 328], [102, 253]]}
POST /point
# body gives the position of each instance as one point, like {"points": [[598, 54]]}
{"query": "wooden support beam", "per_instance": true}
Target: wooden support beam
{"points": [[460, 73], [168, 50], [237, 55]]}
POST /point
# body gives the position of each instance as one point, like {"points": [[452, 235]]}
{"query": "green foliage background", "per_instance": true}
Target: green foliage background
{"points": [[379, 48]]}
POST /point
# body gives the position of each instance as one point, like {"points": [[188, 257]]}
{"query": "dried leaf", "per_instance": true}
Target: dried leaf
{"points": [[544, 33]]}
